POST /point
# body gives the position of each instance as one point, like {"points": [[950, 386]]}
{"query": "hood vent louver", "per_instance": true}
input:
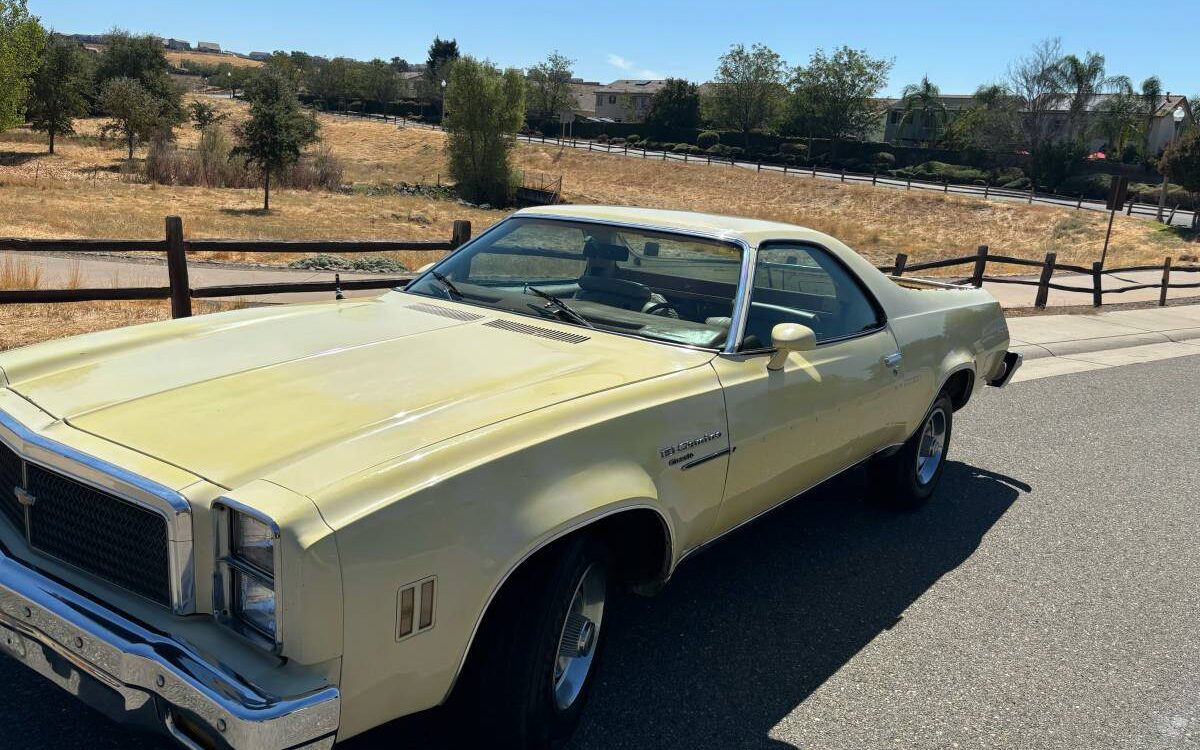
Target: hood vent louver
{"points": [[445, 312], [529, 330]]}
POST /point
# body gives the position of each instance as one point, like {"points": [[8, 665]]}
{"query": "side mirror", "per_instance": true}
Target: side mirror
{"points": [[788, 338]]}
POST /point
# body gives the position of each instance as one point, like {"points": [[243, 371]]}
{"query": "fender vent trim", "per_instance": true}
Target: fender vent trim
{"points": [[531, 330], [445, 312], [415, 605]]}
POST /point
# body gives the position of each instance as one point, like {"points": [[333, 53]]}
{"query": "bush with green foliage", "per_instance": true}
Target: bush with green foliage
{"points": [[883, 160], [632, 138], [486, 109], [368, 263], [939, 171], [795, 149], [708, 139]]}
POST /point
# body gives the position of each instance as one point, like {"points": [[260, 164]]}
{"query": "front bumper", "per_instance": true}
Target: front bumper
{"points": [[1012, 362], [146, 678]]}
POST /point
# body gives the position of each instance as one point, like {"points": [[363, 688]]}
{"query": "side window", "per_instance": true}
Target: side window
{"points": [[805, 284]]}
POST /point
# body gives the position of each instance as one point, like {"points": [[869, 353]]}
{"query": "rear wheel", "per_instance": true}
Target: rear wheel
{"points": [[535, 666], [908, 478]]}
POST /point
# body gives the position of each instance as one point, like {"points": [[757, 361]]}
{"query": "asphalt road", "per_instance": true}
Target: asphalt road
{"points": [[1047, 598]]}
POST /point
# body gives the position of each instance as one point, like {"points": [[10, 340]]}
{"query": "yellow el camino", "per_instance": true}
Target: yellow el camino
{"points": [[280, 527]]}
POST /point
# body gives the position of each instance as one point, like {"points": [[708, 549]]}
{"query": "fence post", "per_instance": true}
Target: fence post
{"points": [[843, 174], [980, 266], [460, 234], [901, 262], [1031, 189], [1043, 290], [1129, 208], [874, 177], [785, 169], [710, 160], [1162, 295], [945, 186], [909, 187], [759, 167], [1097, 285], [177, 270], [986, 187], [814, 170], [1079, 203], [1171, 218]]}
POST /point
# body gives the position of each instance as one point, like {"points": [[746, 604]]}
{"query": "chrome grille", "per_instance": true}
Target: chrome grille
{"points": [[10, 480], [101, 534]]}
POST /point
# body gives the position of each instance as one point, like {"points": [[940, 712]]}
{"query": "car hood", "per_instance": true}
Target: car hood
{"points": [[237, 397]]}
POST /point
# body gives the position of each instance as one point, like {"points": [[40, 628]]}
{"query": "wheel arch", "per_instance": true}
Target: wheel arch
{"points": [[646, 570]]}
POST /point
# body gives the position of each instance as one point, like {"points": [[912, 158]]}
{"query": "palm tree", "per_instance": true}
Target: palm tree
{"points": [[922, 98], [1081, 81], [1120, 115], [1152, 97]]}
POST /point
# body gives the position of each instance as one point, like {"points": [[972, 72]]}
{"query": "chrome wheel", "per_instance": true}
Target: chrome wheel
{"points": [[580, 634], [932, 446]]}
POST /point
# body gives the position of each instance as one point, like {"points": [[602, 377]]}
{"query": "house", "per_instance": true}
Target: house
{"points": [[208, 47], [178, 45], [410, 84], [626, 100], [916, 130], [260, 56]]}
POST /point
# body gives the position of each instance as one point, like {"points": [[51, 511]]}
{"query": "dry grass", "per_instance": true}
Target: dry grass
{"points": [[181, 59]]}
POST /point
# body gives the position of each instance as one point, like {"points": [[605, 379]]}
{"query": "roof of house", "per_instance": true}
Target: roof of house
{"points": [[631, 86], [1169, 103]]}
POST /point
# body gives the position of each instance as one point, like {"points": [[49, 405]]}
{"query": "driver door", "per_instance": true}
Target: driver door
{"points": [[827, 408]]}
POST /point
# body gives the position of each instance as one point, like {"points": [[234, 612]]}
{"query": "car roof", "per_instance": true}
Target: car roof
{"points": [[750, 231]]}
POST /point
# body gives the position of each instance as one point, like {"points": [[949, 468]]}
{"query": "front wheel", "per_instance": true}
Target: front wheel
{"points": [[542, 653], [907, 478]]}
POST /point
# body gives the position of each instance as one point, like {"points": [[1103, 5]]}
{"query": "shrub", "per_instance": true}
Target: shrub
{"points": [[1021, 183], [939, 171], [618, 141], [884, 160], [369, 263], [707, 139], [210, 165], [633, 138], [796, 149], [602, 138]]}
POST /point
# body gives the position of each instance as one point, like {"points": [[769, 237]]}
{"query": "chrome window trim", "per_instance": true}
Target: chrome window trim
{"points": [[738, 318], [168, 503], [226, 563]]}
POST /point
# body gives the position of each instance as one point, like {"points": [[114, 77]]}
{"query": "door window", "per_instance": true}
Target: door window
{"points": [[798, 283]]}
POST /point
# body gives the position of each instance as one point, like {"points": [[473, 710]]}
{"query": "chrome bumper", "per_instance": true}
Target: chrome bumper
{"points": [[1012, 362], [146, 678]]}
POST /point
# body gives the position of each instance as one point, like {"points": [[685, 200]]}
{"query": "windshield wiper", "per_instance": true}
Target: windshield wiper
{"points": [[561, 306], [448, 285]]}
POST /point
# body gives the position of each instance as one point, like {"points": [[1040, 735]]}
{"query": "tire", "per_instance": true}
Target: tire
{"points": [[523, 693], [906, 479]]}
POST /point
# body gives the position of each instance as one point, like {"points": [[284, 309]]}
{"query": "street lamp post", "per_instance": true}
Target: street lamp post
{"points": [[443, 102], [229, 82]]}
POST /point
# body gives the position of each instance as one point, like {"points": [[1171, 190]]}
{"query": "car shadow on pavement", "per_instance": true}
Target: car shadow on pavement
{"points": [[748, 629]]}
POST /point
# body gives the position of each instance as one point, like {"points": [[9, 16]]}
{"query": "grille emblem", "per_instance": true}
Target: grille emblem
{"points": [[24, 496]]}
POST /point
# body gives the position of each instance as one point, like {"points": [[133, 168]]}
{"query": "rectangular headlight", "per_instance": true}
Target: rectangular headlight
{"points": [[252, 541], [254, 602]]}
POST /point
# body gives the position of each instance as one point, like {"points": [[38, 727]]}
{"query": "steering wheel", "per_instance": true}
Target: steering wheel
{"points": [[658, 308]]}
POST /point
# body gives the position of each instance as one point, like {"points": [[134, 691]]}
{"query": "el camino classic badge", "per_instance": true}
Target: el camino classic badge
{"points": [[677, 454]]}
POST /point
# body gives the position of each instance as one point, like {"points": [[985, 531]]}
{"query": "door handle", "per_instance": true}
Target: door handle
{"points": [[893, 360]]}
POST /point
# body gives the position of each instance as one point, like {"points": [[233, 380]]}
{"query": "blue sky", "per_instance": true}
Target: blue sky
{"points": [[958, 44]]}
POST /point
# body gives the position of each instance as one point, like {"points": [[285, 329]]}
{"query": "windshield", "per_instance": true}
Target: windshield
{"points": [[674, 288]]}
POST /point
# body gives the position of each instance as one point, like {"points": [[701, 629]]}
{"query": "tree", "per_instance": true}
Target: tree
{"points": [[380, 82], [21, 42], [1180, 163], [335, 81], [204, 114], [749, 87], [400, 65], [1080, 81], [676, 106], [59, 92], [137, 115], [1034, 80], [141, 59], [486, 109], [834, 95], [923, 99], [1121, 117], [548, 87], [278, 128], [991, 123], [442, 54], [1152, 98]]}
